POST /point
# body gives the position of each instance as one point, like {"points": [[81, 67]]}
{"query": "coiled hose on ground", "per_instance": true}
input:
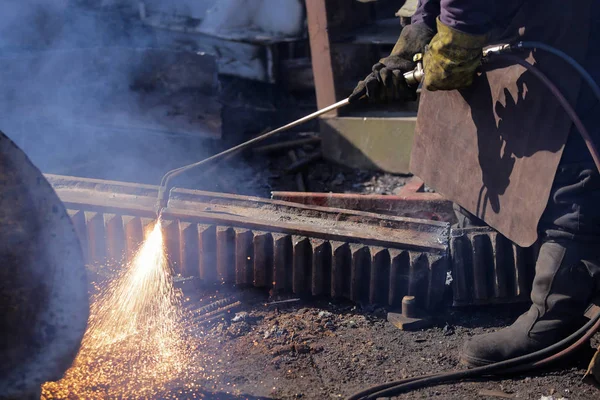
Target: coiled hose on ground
{"points": [[558, 350]]}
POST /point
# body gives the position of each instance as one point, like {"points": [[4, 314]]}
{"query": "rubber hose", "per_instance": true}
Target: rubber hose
{"points": [[394, 388], [559, 53], [516, 364], [564, 103]]}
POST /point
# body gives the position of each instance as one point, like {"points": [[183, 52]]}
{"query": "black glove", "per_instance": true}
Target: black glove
{"points": [[386, 82]]}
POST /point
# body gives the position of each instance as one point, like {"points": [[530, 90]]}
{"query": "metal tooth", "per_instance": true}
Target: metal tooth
{"points": [[207, 246], [488, 268], [244, 257], [282, 261], [462, 256], [418, 278], [360, 272], [340, 274], [302, 265], [380, 274], [321, 267], [115, 237], [438, 269], [263, 259], [79, 223], [96, 236], [189, 252], [134, 235], [399, 277], [171, 234], [225, 254], [482, 260]]}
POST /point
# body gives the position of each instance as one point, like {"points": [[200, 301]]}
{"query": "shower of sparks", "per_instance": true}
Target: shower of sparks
{"points": [[135, 344]]}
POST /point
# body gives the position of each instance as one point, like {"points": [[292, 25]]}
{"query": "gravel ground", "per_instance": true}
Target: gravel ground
{"points": [[327, 350]]}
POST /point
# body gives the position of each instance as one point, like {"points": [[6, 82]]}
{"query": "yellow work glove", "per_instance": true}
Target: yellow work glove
{"points": [[452, 58]]}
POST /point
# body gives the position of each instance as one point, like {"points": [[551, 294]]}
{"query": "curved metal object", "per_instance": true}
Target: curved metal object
{"points": [[43, 287]]}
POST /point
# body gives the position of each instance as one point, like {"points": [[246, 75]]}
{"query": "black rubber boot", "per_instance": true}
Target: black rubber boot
{"points": [[566, 275], [561, 291]]}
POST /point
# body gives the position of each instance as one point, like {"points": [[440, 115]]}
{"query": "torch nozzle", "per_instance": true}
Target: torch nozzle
{"points": [[162, 201]]}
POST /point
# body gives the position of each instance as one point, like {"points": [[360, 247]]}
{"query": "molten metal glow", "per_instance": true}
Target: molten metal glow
{"points": [[135, 343]]}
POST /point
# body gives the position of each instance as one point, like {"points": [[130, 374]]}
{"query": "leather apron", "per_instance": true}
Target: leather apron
{"points": [[494, 148]]}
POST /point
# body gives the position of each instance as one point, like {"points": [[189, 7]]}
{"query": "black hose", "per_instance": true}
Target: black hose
{"points": [[559, 53], [544, 355], [563, 102], [394, 388]]}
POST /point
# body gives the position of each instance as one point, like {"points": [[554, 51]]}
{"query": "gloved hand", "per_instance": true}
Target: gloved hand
{"points": [[386, 81], [452, 59]]}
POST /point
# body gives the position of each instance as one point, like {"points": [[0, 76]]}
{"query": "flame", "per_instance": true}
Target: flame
{"points": [[135, 342]]}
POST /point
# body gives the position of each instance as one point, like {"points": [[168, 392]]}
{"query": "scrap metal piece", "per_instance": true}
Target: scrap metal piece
{"points": [[411, 201], [410, 319], [281, 246]]}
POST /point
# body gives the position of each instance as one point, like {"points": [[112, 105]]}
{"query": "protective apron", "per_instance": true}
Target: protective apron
{"points": [[494, 148]]}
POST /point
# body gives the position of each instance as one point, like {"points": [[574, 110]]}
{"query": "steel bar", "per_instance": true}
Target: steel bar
{"points": [[415, 205], [285, 247], [300, 249]]}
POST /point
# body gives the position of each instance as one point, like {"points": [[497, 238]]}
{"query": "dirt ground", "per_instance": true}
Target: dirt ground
{"points": [[319, 349]]}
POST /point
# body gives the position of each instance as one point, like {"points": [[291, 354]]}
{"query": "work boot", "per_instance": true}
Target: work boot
{"points": [[562, 290]]}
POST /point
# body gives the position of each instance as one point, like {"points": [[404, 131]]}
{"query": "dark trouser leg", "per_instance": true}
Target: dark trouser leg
{"points": [[567, 272]]}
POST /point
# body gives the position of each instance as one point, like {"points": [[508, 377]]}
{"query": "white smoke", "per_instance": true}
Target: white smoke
{"points": [[67, 95]]}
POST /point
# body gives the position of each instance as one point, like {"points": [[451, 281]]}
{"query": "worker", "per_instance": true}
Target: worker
{"points": [[495, 141]]}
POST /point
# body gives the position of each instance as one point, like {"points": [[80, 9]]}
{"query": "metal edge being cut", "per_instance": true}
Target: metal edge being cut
{"points": [[248, 241]]}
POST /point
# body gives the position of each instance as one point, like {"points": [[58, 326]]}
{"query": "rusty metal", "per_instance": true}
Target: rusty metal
{"points": [[246, 241], [410, 319], [408, 306], [487, 268], [411, 201]]}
